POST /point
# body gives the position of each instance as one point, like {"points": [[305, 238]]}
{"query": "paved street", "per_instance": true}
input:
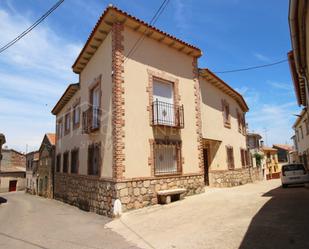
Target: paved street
{"points": [[260, 215]]}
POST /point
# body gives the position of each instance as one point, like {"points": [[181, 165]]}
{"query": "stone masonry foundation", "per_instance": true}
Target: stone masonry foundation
{"points": [[98, 195], [236, 177]]}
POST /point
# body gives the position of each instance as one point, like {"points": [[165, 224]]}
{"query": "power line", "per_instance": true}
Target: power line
{"points": [[152, 22], [252, 68], [41, 19]]}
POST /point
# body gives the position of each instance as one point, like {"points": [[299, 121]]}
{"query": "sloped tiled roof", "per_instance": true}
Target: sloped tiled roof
{"points": [[52, 138], [283, 147]]}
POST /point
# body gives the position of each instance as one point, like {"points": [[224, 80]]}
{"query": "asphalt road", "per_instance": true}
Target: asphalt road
{"points": [[31, 222], [253, 216]]}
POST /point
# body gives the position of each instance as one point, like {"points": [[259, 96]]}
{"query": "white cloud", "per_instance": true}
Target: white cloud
{"points": [[261, 57], [33, 74], [280, 85]]}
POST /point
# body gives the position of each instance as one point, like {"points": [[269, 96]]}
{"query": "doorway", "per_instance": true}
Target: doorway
{"points": [[206, 166], [12, 185]]}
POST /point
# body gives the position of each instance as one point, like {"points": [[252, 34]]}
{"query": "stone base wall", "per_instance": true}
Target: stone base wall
{"points": [[236, 177], [86, 192], [141, 193], [98, 195]]}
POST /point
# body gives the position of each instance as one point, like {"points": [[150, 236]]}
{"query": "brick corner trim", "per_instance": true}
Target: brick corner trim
{"points": [[118, 110], [198, 117]]}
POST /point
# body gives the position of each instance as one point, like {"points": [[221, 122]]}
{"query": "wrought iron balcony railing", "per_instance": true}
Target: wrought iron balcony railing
{"points": [[91, 119], [166, 114]]}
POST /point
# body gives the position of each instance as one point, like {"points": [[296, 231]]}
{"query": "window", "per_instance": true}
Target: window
{"points": [[297, 135], [59, 128], [58, 163], [94, 159], [76, 117], [247, 158], [74, 161], [301, 132], [65, 163], [95, 105], [307, 126], [230, 157], [243, 155], [226, 114], [67, 123], [167, 157]]}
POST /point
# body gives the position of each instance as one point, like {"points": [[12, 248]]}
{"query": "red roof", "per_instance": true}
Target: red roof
{"points": [[52, 138], [283, 147]]}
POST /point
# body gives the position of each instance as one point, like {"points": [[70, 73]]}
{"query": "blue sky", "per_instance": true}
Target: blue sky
{"points": [[231, 33]]}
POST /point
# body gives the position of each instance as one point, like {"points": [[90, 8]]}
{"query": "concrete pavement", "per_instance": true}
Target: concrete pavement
{"points": [[255, 216], [30, 222]]}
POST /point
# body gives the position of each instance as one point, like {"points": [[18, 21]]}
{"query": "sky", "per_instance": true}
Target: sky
{"points": [[231, 33]]}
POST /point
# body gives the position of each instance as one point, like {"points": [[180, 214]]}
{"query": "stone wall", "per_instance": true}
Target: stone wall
{"points": [[236, 177], [141, 193], [98, 195]]}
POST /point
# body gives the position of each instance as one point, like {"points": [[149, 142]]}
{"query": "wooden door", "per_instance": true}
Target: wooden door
{"points": [[206, 166], [12, 185]]}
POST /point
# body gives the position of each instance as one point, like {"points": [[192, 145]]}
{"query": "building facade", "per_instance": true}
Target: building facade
{"points": [[2, 141], [283, 151], [46, 166], [135, 124], [12, 171], [272, 166], [32, 159], [301, 139]]}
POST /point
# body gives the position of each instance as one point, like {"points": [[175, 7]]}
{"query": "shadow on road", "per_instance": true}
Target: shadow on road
{"points": [[2, 200], [283, 222]]}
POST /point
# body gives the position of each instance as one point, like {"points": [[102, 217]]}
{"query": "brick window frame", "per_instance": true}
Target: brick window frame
{"points": [[226, 113], [230, 157], [155, 143], [91, 151], [74, 160], [163, 77]]}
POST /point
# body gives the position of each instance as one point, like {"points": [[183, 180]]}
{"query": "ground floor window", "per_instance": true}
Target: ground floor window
{"points": [[167, 157], [58, 163], [94, 159], [65, 164], [230, 157], [74, 161]]}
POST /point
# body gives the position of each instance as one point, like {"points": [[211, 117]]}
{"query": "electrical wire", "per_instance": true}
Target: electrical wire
{"points": [[252, 68], [41, 19]]}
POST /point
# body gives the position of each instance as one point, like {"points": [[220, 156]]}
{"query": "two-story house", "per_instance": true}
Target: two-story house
{"points": [[45, 171], [301, 139], [143, 119], [32, 159]]}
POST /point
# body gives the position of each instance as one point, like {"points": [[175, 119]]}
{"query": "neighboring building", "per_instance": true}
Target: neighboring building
{"points": [[226, 156], [134, 126], [301, 139], [283, 151], [46, 166], [254, 141], [255, 145], [272, 167], [32, 159], [2, 141], [12, 171]]}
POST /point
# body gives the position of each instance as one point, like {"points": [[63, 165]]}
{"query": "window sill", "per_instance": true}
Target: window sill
{"points": [[227, 125], [168, 174]]}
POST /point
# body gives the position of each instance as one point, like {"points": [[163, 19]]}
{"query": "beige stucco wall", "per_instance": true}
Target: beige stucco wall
{"points": [[5, 183], [99, 64], [160, 58], [302, 143], [213, 125]]}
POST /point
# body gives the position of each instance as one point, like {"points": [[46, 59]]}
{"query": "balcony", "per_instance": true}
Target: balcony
{"points": [[91, 119], [166, 114]]}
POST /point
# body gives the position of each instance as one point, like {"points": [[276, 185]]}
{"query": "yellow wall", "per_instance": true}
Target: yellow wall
{"points": [[213, 126], [157, 57], [99, 64]]}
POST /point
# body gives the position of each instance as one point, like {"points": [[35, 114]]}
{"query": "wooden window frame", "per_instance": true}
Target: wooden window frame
{"points": [[59, 128], [301, 131], [92, 147], [307, 126], [75, 150], [242, 156], [67, 118], [95, 85], [226, 113], [230, 157], [76, 107], [68, 162]]}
